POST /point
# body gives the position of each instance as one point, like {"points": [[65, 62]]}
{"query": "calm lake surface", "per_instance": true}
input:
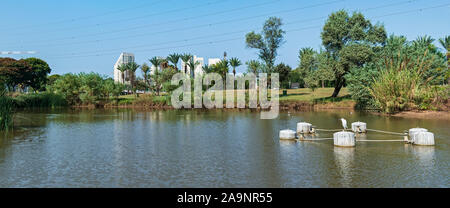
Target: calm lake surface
{"points": [[132, 148]]}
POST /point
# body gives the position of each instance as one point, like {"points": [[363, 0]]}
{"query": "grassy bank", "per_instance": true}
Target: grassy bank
{"points": [[294, 99]]}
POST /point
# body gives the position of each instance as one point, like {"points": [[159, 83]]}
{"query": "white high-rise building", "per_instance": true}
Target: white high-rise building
{"points": [[213, 61], [124, 58], [199, 68]]}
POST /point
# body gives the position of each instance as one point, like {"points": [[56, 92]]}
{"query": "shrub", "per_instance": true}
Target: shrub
{"points": [[6, 112], [40, 100]]}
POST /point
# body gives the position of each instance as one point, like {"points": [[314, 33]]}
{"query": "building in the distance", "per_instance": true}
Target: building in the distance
{"points": [[124, 58], [213, 61], [160, 67], [199, 68]]}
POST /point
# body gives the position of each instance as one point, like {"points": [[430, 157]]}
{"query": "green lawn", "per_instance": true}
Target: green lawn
{"points": [[323, 94], [309, 95]]}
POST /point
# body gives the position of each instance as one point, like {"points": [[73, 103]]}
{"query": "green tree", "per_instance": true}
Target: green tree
{"points": [[156, 77], [192, 65], [113, 89], [132, 67], [186, 58], [235, 62], [325, 70], [268, 41], [174, 59], [14, 73], [145, 70], [39, 71], [254, 66], [69, 86], [350, 42], [283, 70], [122, 68], [445, 43]]}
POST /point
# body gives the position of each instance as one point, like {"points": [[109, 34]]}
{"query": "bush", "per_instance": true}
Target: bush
{"points": [[6, 112], [359, 81], [396, 90], [40, 100]]}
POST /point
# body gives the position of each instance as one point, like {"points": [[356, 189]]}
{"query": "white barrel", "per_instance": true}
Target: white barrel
{"points": [[416, 130], [304, 128], [287, 134], [423, 138], [344, 139], [359, 127]]}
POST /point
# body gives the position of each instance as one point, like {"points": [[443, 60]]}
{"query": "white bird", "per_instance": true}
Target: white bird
{"points": [[344, 123]]}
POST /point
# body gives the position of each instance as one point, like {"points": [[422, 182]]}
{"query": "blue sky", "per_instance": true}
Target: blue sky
{"points": [[83, 36]]}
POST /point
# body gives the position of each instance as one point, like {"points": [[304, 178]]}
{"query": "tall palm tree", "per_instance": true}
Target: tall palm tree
{"points": [[156, 62], [122, 68], [192, 65], [425, 42], [222, 69], [132, 67], [186, 58], [445, 42], [145, 69], [174, 59], [208, 69], [254, 67], [235, 62]]}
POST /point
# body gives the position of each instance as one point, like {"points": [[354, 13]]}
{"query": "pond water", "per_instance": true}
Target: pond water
{"points": [[132, 148]]}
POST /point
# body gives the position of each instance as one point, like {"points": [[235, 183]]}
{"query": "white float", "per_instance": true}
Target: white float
{"points": [[423, 138], [359, 127], [304, 128], [287, 134], [416, 130], [344, 139]]}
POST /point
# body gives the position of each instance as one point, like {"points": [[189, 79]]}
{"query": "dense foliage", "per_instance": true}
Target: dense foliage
{"points": [[86, 88]]}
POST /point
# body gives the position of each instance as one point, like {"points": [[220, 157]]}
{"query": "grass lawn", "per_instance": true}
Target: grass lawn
{"points": [[320, 94], [309, 95]]}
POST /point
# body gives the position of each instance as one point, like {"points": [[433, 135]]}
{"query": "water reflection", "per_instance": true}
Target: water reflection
{"points": [[136, 148], [344, 160]]}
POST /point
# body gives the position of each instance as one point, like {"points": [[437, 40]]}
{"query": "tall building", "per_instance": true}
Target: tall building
{"points": [[124, 58], [213, 61], [199, 68]]}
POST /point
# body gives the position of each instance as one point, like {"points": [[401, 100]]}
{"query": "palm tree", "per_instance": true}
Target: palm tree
{"points": [[192, 65], [132, 67], [208, 69], [122, 68], [222, 69], [186, 58], [174, 59], [425, 42], [445, 42], [156, 62], [145, 69], [253, 67], [235, 62]]}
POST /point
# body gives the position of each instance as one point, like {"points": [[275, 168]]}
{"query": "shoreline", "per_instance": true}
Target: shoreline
{"points": [[289, 106]]}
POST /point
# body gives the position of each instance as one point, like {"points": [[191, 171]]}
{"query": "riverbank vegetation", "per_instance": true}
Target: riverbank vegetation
{"points": [[358, 65]]}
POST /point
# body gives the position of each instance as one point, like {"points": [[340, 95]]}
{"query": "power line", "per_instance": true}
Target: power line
{"points": [[228, 33], [240, 38], [136, 18], [91, 16], [173, 21], [191, 27]]}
